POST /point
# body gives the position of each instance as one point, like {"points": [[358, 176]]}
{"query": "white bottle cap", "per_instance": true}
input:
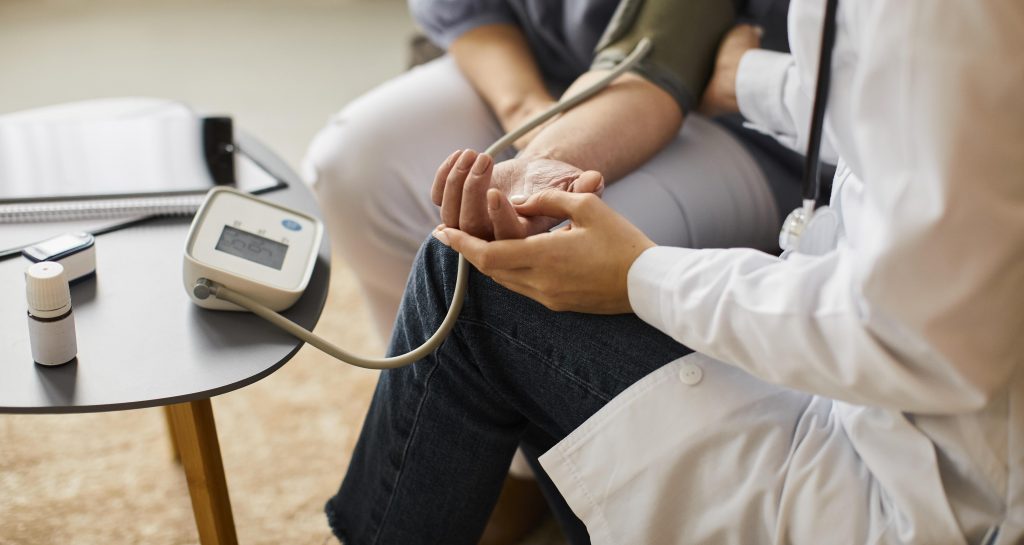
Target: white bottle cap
{"points": [[47, 289]]}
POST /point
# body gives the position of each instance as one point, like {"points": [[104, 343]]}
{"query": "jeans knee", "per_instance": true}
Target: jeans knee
{"points": [[428, 295], [435, 268]]}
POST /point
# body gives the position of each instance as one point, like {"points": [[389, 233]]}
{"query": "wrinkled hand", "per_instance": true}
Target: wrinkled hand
{"points": [[720, 95], [582, 267], [463, 181]]}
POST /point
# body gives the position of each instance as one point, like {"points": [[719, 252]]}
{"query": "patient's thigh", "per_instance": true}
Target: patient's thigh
{"points": [[372, 166], [374, 162], [704, 190]]}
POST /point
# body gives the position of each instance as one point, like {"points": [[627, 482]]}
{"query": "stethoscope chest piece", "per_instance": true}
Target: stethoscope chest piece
{"points": [[814, 235], [792, 228]]}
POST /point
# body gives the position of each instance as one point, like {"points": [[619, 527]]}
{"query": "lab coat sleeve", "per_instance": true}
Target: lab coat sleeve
{"points": [[445, 20], [772, 100], [923, 310]]}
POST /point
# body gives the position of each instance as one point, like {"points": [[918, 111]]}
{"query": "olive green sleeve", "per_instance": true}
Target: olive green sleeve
{"points": [[685, 35]]}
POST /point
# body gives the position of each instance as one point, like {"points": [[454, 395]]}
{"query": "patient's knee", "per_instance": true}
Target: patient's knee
{"points": [[436, 264], [346, 158]]}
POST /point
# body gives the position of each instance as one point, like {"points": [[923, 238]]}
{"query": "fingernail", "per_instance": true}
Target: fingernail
{"points": [[466, 160], [759, 30], [483, 162], [517, 199], [439, 235], [493, 200]]}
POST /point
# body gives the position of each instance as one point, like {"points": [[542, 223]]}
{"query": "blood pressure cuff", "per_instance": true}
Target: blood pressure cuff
{"points": [[685, 35]]}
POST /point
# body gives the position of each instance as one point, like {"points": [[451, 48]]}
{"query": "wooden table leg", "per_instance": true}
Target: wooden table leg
{"points": [[175, 452], [196, 434]]}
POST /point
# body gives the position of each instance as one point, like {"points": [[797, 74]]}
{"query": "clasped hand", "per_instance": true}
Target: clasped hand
{"points": [[461, 190], [582, 267]]}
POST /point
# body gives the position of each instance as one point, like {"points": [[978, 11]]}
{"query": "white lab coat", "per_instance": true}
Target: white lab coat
{"points": [[873, 394]]}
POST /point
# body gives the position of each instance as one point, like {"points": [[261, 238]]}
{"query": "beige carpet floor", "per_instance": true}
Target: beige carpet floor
{"points": [[280, 67], [110, 478]]}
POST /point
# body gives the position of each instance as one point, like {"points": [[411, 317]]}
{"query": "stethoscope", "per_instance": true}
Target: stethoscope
{"points": [[800, 221], [809, 228]]}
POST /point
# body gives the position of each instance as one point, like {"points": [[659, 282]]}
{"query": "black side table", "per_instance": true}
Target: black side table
{"points": [[142, 343]]}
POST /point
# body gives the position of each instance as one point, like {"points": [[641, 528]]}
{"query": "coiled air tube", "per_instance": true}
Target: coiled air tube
{"points": [[205, 288]]}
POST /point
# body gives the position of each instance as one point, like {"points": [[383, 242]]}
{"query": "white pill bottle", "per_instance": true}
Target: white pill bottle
{"points": [[51, 325]]}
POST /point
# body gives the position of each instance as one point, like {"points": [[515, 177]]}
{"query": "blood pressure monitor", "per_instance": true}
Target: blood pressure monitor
{"points": [[244, 253], [252, 246]]}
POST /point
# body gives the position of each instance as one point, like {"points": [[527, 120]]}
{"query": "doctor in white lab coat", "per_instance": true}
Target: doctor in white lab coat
{"points": [[874, 393]]}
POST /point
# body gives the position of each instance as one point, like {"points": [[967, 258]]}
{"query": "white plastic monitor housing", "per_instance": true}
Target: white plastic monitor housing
{"points": [[255, 247]]}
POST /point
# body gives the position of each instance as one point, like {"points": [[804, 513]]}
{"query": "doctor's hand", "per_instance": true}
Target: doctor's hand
{"points": [[581, 267], [462, 183]]}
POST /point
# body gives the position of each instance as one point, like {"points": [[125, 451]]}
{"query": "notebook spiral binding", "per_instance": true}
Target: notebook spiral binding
{"points": [[35, 212]]}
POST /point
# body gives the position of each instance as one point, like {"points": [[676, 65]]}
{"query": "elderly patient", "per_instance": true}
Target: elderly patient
{"points": [[873, 393]]}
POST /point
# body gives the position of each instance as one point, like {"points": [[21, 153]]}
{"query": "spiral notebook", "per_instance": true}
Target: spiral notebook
{"points": [[168, 205], [98, 165]]}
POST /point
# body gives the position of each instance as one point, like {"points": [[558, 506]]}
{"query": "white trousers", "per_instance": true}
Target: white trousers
{"points": [[373, 164]]}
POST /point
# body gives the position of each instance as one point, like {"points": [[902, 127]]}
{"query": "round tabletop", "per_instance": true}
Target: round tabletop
{"points": [[141, 341]]}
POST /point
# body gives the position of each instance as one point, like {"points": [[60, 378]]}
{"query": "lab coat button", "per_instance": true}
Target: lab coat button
{"points": [[690, 374]]}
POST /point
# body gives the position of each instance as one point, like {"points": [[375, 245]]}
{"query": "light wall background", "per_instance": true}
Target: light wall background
{"points": [[280, 67]]}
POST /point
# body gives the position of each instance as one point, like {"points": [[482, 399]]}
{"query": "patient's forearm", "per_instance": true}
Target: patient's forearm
{"points": [[497, 61], [615, 131]]}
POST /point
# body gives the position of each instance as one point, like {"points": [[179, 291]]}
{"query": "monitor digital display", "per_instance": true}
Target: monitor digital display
{"points": [[255, 248]]}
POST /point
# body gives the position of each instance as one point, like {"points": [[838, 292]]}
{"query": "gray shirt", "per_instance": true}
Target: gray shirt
{"points": [[563, 34]]}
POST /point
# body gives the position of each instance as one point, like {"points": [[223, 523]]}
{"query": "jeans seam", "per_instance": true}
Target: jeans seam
{"points": [[527, 348], [405, 448]]}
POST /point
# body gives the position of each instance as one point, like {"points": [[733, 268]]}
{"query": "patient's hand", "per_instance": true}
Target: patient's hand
{"points": [[461, 190]]}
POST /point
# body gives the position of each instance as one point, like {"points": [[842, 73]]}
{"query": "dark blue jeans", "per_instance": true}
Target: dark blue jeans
{"points": [[439, 436]]}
